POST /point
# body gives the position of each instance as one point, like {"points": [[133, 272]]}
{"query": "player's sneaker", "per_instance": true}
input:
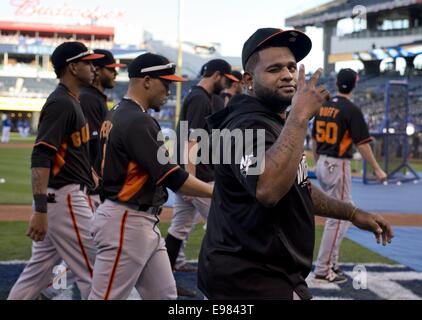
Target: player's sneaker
{"points": [[332, 277], [184, 292], [338, 270], [186, 267]]}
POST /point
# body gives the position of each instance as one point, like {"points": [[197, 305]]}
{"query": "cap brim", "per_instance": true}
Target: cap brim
{"points": [[115, 65], [93, 56], [173, 77], [231, 77]]}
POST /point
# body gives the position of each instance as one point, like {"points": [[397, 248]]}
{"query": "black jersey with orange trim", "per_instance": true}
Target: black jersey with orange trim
{"points": [[63, 128], [131, 170], [338, 125], [94, 107]]}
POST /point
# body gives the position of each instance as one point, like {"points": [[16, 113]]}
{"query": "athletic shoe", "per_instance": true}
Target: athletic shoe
{"points": [[338, 270], [186, 267], [332, 277], [184, 292]]}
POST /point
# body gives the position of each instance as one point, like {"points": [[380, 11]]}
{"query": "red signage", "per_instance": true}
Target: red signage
{"points": [[32, 8]]}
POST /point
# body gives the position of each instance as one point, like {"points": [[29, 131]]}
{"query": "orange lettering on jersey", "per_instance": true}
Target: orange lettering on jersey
{"points": [[105, 129], [76, 139], [326, 132], [328, 112], [85, 133]]}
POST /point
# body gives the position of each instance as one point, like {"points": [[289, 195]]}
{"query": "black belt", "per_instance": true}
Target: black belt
{"points": [[51, 196], [84, 188], [155, 210]]}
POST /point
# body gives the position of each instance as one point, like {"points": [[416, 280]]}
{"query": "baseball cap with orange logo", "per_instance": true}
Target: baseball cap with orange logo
{"points": [[298, 42]]}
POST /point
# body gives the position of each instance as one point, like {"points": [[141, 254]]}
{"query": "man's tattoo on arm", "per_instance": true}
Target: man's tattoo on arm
{"points": [[40, 180]]}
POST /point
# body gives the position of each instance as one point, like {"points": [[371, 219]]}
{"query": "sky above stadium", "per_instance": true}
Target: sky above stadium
{"points": [[228, 22]]}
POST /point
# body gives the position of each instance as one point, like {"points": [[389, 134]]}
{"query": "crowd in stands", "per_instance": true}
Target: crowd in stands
{"points": [[21, 40]]}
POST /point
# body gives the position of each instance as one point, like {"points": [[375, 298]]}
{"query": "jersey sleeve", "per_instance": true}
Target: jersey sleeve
{"points": [[55, 123], [248, 161], [144, 148], [358, 127]]}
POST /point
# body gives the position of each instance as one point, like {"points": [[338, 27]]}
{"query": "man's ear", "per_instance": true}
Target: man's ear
{"points": [[147, 82], [248, 80], [97, 71], [216, 76], [72, 68]]}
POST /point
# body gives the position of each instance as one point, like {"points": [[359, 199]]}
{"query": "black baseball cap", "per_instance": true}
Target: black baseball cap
{"points": [[298, 42], [237, 75], [107, 61], [346, 79], [153, 65], [72, 51], [219, 65]]}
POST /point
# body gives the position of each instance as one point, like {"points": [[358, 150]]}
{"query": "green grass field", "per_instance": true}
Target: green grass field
{"points": [[15, 170], [14, 245], [16, 138]]}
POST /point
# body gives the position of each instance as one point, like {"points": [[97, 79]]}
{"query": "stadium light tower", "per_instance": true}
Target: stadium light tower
{"points": [[179, 62]]}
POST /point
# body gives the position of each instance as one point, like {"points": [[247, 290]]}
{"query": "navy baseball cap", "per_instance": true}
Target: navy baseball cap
{"points": [[219, 65], [72, 51], [346, 79], [237, 75], [107, 61], [153, 65], [298, 42]]}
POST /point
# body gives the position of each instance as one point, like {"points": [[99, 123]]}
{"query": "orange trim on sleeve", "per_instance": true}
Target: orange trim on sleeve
{"points": [[166, 174], [367, 140], [117, 259], [46, 144], [59, 161], [78, 235], [345, 143], [135, 180]]}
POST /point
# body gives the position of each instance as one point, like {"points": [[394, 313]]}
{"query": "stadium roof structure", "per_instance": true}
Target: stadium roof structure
{"points": [[54, 28], [339, 9]]}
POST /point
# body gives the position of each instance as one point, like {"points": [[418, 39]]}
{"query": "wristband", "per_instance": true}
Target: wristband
{"points": [[40, 202], [352, 214]]}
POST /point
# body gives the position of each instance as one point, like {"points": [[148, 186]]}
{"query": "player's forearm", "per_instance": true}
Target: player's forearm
{"points": [[40, 178], [281, 162], [366, 152], [196, 188], [326, 206], [192, 155]]}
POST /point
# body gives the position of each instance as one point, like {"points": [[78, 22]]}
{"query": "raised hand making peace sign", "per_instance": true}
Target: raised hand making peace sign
{"points": [[309, 97]]}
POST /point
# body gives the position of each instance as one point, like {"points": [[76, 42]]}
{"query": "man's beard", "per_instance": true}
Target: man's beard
{"points": [[271, 99], [218, 88], [107, 83]]}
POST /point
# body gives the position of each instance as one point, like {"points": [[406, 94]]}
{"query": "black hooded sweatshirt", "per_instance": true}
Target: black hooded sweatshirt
{"points": [[250, 251]]}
